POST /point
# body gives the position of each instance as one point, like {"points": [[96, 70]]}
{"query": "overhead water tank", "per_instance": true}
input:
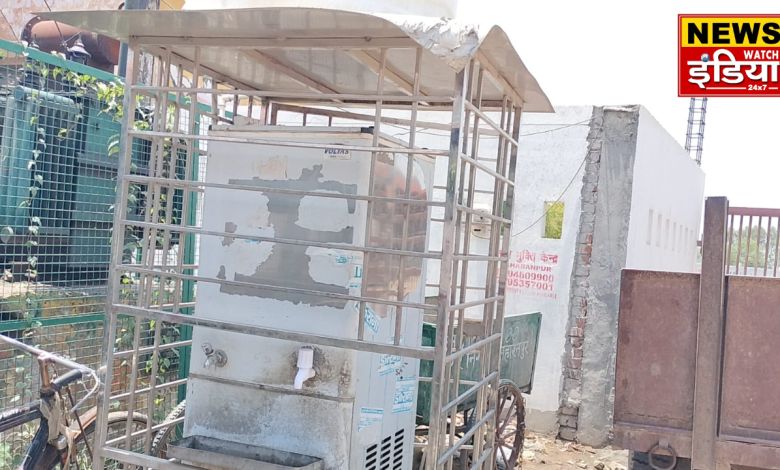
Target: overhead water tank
{"points": [[430, 8]]}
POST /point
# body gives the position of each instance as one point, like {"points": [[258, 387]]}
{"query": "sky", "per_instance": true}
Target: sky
{"points": [[606, 52]]}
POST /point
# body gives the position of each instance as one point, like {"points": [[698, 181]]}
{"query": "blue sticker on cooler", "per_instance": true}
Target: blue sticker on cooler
{"points": [[372, 320], [388, 364], [369, 416], [357, 274], [404, 394]]}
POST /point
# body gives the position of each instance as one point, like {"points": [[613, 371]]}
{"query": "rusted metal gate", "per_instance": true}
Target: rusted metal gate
{"points": [[697, 360], [753, 242]]}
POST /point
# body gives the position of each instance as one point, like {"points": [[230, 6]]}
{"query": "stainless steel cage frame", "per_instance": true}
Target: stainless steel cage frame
{"points": [[180, 78]]}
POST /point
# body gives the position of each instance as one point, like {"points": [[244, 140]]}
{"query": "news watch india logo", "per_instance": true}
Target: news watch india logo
{"points": [[728, 55]]}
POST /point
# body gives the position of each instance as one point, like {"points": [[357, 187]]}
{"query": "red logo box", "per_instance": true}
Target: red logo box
{"points": [[728, 55]]}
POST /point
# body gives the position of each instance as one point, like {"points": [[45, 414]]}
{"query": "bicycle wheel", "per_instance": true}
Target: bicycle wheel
{"points": [[168, 433], [117, 426]]}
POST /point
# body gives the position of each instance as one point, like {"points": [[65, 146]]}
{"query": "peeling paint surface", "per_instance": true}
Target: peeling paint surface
{"points": [[336, 267], [257, 381], [310, 213], [288, 265]]}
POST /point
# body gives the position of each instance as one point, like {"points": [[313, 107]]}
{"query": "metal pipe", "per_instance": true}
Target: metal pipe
{"points": [[487, 170], [114, 282], [739, 243], [363, 306], [126, 395], [496, 127], [730, 243], [44, 356], [463, 351], [766, 247], [758, 247], [40, 353], [747, 250], [147, 253], [293, 95], [407, 194], [49, 35], [46, 96], [492, 217], [465, 258], [149, 135], [284, 241], [476, 303], [462, 397], [250, 285], [178, 285], [455, 340], [154, 428], [438, 388], [423, 353], [146, 350], [777, 245], [498, 204], [162, 120], [295, 192], [466, 437], [129, 5]]}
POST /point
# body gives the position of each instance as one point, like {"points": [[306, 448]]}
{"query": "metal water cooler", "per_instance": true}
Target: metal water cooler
{"points": [[358, 409]]}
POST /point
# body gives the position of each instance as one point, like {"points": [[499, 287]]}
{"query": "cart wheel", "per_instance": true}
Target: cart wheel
{"points": [[510, 426]]}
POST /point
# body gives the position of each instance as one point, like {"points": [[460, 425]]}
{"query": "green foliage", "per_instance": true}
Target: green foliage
{"points": [[553, 225], [754, 251], [139, 199]]}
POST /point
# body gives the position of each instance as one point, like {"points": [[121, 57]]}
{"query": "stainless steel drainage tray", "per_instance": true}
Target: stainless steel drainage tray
{"points": [[218, 454]]}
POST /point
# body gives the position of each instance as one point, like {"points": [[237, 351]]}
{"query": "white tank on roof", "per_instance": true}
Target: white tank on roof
{"points": [[430, 8]]}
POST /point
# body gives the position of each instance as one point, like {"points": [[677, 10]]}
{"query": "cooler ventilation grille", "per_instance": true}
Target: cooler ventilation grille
{"points": [[387, 455]]}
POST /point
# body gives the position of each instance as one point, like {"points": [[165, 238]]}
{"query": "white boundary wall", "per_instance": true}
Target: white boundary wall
{"points": [[667, 200]]}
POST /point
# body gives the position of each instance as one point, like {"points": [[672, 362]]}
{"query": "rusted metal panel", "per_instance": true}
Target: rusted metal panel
{"points": [[747, 456], [656, 353], [728, 381], [709, 334], [750, 406], [643, 438]]}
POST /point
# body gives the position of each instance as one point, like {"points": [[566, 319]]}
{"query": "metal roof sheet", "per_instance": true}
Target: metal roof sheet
{"points": [[321, 44]]}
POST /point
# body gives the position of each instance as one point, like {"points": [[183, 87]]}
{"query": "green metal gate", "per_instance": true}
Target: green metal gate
{"points": [[58, 135]]}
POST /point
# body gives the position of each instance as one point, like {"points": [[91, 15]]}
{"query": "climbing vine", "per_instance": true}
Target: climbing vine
{"points": [[81, 88]]}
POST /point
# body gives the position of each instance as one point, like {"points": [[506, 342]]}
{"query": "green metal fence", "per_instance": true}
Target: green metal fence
{"points": [[59, 130]]}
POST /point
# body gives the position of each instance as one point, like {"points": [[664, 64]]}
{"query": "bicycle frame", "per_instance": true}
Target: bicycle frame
{"points": [[49, 388], [19, 416], [37, 446], [23, 415], [46, 357]]}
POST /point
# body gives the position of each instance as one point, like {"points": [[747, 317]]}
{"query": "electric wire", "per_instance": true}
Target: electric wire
{"points": [[10, 26], [587, 154], [571, 182], [64, 42]]}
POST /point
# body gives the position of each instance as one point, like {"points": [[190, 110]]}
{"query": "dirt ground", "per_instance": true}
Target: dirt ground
{"points": [[544, 452], [547, 453]]}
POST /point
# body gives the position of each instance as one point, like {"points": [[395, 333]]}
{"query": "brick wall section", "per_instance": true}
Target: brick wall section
{"points": [[578, 304]]}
